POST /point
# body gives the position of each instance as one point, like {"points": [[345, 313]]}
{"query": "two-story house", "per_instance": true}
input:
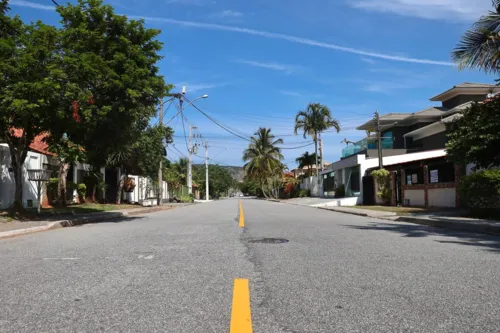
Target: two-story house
{"points": [[413, 147]]}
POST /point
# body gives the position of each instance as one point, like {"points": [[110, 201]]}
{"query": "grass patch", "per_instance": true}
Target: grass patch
{"points": [[31, 213]]}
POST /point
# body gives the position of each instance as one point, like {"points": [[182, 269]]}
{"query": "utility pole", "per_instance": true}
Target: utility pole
{"points": [[207, 194], [160, 167], [321, 152], [190, 163], [379, 139]]}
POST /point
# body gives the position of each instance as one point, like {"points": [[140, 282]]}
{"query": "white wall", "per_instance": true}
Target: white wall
{"points": [[139, 192], [352, 201], [7, 186], [310, 183], [416, 197], [442, 197]]}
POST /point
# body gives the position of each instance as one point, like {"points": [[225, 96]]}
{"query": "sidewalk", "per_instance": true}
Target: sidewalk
{"points": [[437, 220], [16, 228]]}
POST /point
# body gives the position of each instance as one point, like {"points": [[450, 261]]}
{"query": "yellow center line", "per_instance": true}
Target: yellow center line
{"points": [[242, 217], [241, 317]]}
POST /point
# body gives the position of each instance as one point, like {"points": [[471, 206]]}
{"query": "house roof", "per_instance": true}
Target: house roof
{"points": [[466, 88], [384, 120], [39, 145]]}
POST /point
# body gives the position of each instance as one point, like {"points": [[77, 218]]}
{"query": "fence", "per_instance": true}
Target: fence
{"points": [[145, 189], [178, 192]]}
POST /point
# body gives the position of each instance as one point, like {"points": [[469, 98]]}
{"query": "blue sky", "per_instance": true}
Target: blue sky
{"points": [[262, 61]]}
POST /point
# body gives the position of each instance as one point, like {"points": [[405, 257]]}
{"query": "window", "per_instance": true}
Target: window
{"points": [[441, 173], [414, 176]]}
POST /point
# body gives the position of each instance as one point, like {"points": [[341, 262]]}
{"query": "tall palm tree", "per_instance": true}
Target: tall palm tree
{"points": [[263, 157], [480, 45], [181, 169], [306, 160], [314, 120]]}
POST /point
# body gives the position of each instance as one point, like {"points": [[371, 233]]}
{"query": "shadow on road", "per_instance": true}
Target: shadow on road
{"points": [[488, 242]]}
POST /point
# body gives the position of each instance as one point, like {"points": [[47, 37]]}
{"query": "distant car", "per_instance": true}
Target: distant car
{"points": [[231, 195], [241, 194]]}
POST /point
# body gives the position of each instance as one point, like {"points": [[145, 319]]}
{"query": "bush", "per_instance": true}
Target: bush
{"points": [[304, 193], [81, 189], [480, 192], [340, 191], [383, 178], [52, 189], [187, 198]]}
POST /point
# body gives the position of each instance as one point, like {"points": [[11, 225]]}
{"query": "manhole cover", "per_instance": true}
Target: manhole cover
{"points": [[268, 240]]}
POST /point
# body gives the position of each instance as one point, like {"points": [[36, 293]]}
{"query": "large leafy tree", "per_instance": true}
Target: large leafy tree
{"points": [[314, 120], [479, 48], [219, 182], [474, 138], [31, 88], [115, 84], [263, 158], [306, 160]]}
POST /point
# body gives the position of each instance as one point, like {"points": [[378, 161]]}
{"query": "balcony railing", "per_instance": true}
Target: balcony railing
{"points": [[366, 144]]}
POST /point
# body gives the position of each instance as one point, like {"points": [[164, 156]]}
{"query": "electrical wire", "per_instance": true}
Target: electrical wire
{"points": [[178, 151], [184, 129], [310, 144]]}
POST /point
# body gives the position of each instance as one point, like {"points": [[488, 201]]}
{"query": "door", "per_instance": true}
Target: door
{"points": [[368, 191]]}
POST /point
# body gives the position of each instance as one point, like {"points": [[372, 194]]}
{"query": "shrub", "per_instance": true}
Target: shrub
{"points": [[304, 193], [101, 189], [340, 191], [187, 198], [480, 192], [383, 178], [52, 189], [81, 189]]}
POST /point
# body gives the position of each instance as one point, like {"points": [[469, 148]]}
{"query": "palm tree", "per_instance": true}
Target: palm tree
{"points": [[314, 120], [263, 157], [181, 169], [306, 160], [480, 45]]}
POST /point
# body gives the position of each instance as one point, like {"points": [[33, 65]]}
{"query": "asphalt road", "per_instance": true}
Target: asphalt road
{"points": [[174, 271]]}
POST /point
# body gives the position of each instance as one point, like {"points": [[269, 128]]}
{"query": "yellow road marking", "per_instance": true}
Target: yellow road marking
{"points": [[241, 317], [242, 217]]}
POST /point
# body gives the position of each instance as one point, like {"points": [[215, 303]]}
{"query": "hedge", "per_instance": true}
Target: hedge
{"points": [[480, 192]]}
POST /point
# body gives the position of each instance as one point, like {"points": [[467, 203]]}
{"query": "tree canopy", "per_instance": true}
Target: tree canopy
{"points": [[219, 181], [474, 137], [479, 48]]}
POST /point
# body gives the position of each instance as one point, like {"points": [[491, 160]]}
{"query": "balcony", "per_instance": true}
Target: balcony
{"points": [[365, 144]]}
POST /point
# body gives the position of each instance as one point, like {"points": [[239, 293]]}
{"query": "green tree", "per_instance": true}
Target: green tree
{"points": [[312, 121], [219, 182], [180, 169], [306, 160], [263, 158], [67, 153], [114, 82], [474, 137], [480, 46], [30, 89]]}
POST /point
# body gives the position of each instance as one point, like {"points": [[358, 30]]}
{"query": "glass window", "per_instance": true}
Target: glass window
{"points": [[414, 176], [441, 173]]}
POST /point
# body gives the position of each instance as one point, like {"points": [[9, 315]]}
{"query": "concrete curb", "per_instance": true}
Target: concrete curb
{"points": [[95, 217], [475, 227]]}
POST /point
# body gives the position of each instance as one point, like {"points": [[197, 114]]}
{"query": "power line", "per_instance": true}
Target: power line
{"points": [[218, 124], [178, 151], [310, 144]]}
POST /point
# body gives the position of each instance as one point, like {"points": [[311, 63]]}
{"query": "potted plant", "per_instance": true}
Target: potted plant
{"points": [[129, 185]]}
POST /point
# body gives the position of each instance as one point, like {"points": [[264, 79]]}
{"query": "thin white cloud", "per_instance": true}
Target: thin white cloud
{"points": [[294, 39], [449, 10], [368, 60], [229, 14], [29, 4], [269, 65], [273, 35]]}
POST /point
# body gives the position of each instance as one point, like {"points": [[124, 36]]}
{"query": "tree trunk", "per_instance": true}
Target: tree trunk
{"points": [[94, 188], [316, 152], [17, 165], [119, 190], [61, 183]]}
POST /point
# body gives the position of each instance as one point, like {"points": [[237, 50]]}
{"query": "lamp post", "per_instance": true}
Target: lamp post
{"points": [[39, 176]]}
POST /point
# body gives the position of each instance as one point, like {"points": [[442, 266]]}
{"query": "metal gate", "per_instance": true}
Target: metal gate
{"points": [[368, 191]]}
